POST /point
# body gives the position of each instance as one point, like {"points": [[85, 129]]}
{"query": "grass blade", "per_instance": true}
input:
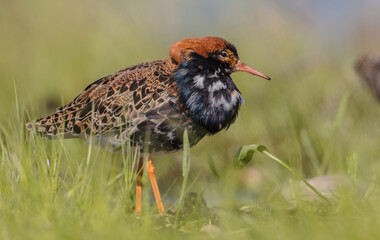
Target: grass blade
{"points": [[185, 173]]}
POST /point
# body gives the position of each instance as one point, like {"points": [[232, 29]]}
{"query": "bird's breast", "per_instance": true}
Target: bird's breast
{"points": [[211, 97]]}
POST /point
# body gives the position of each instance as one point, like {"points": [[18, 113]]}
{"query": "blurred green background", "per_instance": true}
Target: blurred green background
{"points": [[51, 50]]}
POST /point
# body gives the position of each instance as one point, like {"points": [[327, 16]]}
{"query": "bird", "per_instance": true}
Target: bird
{"points": [[368, 67], [151, 104]]}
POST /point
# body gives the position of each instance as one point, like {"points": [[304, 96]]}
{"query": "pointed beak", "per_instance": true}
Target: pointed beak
{"points": [[244, 68]]}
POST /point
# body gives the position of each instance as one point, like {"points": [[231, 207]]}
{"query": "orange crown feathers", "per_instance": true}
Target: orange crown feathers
{"points": [[202, 46]]}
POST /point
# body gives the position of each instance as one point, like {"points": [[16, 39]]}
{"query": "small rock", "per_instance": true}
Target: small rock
{"points": [[210, 229], [246, 209], [326, 184]]}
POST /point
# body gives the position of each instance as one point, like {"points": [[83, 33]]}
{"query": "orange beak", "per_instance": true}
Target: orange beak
{"points": [[244, 68]]}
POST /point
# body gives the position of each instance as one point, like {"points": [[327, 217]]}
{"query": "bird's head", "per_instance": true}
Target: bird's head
{"points": [[215, 50], [206, 90]]}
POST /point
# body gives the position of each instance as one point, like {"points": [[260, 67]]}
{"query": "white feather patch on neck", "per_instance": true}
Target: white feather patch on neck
{"points": [[227, 105], [215, 86], [199, 81]]}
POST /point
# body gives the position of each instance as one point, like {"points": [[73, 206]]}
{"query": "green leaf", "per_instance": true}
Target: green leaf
{"points": [[186, 155], [185, 173], [245, 153]]}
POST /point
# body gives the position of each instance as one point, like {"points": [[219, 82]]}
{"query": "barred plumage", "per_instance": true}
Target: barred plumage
{"points": [[151, 104], [126, 105]]}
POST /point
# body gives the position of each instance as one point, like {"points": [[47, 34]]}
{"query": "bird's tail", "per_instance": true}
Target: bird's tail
{"points": [[51, 125], [66, 121]]}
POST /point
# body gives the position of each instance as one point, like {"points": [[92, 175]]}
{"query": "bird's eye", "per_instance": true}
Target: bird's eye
{"points": [[223, 54]]}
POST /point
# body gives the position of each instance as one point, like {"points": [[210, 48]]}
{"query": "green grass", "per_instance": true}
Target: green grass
{"points": [[314, 115]]}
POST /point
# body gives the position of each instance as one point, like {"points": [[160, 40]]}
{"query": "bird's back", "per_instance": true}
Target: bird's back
{"points": [[133, 104]]}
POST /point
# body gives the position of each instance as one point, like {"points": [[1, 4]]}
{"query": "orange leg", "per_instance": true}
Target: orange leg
{"points": [[140, 172], [151, 172]]}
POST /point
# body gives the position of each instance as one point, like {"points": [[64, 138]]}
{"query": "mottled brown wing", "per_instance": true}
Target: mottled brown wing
{"points": [[116, 101]]}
